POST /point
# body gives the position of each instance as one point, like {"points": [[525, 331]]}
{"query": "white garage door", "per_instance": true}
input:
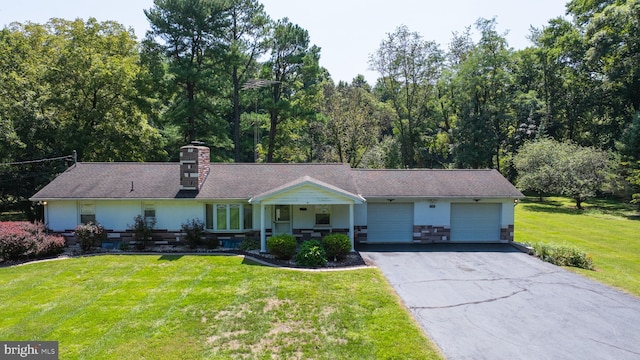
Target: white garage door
{"points": [[389, 222], [475, 222]]}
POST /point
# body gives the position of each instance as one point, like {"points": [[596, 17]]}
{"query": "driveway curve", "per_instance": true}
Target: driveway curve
{"points": [[494, 302]]}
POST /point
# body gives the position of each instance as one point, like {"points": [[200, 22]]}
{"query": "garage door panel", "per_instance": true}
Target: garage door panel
{"points": [[475, 222], [390, 222]]}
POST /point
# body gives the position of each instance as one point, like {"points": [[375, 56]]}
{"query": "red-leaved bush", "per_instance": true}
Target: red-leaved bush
{"points": [[19, 239]]}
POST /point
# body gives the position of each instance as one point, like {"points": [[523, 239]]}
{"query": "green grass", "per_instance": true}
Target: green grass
{"points": [[205, 307], [607, 230]]}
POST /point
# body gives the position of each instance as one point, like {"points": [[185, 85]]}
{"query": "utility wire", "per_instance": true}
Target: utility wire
{"points": [[67, 157], [27, 176]]}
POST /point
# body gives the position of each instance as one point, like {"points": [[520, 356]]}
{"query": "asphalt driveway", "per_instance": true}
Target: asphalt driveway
{"points": [[494, 302]]}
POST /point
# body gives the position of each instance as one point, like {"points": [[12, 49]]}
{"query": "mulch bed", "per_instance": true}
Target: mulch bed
{"points": [[351, 260]]}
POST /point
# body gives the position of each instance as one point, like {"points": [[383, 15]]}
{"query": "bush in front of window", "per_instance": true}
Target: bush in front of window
{"points": [[193, 230], [282, 246], [142, 231], [336, 245], [249, 244], [311, 254], [90, 234]]}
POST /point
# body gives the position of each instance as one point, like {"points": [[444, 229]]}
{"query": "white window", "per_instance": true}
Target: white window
{"points": [[323, 215], [228, 217], [149, 214], [87, 213], [221, 217]]}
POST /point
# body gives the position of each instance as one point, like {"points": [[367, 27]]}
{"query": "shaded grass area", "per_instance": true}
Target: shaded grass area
{"points": [[197, 307], [13, 216], [607, 230]]}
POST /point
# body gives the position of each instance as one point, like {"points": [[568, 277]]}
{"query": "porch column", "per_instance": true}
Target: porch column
{"points": [[263, 235], [351, 236]]}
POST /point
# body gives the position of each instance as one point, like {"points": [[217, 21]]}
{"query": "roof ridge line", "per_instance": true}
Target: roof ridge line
{"points": [[422, 169]]}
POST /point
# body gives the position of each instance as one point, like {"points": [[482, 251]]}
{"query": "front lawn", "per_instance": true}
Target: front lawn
{"points": [[203, 307], [607, 230]]}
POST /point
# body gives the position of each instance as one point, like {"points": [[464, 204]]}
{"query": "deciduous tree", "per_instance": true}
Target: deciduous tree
{"points": [[484, 112], [548, 166], [409, 68], [353, 125], [64, 86]]}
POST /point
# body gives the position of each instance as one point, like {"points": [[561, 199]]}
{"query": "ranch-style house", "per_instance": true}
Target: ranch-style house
{"points": [[238, 200]]}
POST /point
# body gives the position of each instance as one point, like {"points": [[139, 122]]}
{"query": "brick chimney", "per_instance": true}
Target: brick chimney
{"points": [[194, 166]]}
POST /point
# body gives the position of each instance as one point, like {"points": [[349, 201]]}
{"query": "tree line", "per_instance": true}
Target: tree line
{"points": [[253, 89]]}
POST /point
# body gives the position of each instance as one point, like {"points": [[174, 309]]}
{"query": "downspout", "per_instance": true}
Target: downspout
{"points": [[263, 235]]}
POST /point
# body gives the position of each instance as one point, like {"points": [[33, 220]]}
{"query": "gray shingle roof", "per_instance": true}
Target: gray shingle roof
{"points": [[243, 181], [113, 180], [433, 183]]}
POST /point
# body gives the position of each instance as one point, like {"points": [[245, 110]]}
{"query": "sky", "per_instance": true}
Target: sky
{"points": [[347, 31]]}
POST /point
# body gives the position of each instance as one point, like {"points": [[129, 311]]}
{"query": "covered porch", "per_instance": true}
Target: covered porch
{"points": [[306, 208]]}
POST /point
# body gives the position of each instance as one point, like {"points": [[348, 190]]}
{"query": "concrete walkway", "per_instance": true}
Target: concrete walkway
{"points": [[494, 302]]}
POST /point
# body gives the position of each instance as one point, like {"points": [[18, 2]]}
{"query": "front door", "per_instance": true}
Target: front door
{"points": [[282, 219]]}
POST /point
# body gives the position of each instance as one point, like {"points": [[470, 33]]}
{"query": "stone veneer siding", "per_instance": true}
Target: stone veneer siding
{"points": [[194, 166], [507, 233], [421, 234], [360, 234], [431, 234], [318, 234]]}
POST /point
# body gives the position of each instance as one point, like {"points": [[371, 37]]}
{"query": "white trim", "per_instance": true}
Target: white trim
{"points": [[351, 224], [263, 235], [89, 206], [227, 205]]}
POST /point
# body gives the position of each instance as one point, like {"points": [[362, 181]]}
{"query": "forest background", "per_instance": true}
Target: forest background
{"points": [[253, 89]]}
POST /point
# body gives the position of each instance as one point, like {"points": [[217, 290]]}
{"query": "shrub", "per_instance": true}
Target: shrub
{"points": [[282, 246], [563, 256], [142, 231], [15, 241], [193, 230], [311, 254], [23, 239], [89, 234], [337, 246], [249, 244], [49, 245]]}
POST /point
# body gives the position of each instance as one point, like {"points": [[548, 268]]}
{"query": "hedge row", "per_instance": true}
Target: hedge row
{"points": [[563, 256], [24, 240]]}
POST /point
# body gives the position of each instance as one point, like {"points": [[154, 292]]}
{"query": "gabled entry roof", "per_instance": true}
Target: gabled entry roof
{"points": [[245, 181], [295, 188]]}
